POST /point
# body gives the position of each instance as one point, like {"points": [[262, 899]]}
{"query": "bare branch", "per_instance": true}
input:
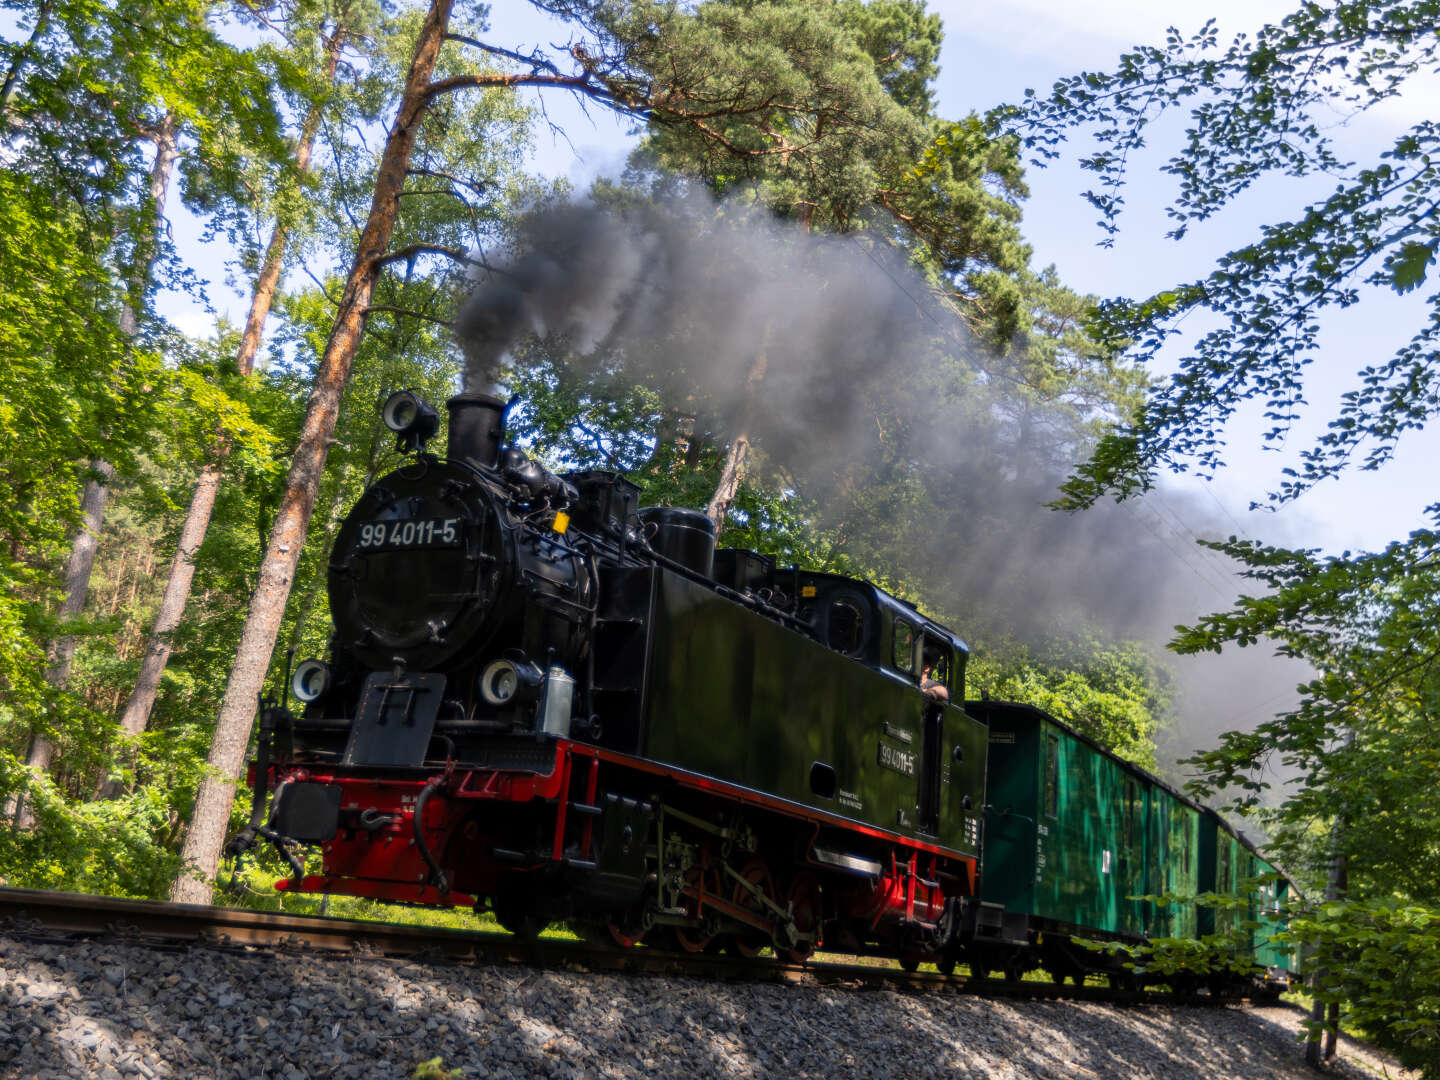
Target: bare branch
{"points": [[334, 300], [579, 83], [477, 186], [407, 311], [435, 191], [534, 60], [408, 253]]}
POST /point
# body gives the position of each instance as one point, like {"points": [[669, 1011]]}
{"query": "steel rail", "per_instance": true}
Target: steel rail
{"points": [[59, 917]]}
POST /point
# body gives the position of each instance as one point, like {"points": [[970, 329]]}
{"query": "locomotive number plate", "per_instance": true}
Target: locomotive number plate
{"points": [[409, 533], [901, 761]]}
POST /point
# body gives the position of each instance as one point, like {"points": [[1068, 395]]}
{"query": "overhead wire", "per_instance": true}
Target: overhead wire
{"points": [[1179, 552], [1222, 566]]}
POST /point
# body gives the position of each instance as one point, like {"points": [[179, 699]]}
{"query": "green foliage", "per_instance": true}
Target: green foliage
{"points": [[434, 1069], [805, 112], [93, 83], [822, 114], [1226, 953], [1181, 960], [96, 85], [71, 389], [125, 846], [1380, 959], [1361, 742]]}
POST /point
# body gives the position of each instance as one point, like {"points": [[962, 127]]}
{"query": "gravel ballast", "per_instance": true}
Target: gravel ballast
{"points": [[112, 1010]]}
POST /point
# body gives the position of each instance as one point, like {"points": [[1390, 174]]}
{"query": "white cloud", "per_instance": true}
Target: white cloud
{"points": [[193, 322], [1057, 39], [1078, 34]]}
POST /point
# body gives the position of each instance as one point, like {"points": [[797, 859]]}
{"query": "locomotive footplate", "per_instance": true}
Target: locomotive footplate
{"points": [[395, 719]]}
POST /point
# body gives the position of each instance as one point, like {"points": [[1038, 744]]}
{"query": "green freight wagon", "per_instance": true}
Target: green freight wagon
{"points": [[1073, 836]]}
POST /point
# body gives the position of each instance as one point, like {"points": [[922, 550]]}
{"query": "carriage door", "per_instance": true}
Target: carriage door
{"points": [[938, 655]]}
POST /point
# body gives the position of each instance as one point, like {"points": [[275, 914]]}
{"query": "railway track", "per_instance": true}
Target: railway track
{"points": [[59, 918]]}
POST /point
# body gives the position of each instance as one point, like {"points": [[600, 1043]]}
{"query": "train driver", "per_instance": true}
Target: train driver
{"points": [[934, 689]]}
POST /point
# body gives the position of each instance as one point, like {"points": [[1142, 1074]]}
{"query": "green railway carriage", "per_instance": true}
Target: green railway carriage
{"points": [[1229, 864], [1173, 862], [1073, 836], [1272, 900]]}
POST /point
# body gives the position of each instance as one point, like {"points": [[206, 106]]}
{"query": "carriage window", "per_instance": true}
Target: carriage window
{"points": [[1052, 775], [846, 629], [904, 654]]}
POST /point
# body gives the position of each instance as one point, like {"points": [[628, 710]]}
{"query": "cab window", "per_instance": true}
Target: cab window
{"points": [[904, 653], [845, 631], [935, 656]]}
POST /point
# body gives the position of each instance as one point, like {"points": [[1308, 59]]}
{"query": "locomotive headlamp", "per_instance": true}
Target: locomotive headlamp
{"points": [[412, 418], [506, 681], [310, 681]]}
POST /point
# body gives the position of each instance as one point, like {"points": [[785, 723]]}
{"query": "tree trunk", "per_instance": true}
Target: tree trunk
{"points": [[167, 150], [172, 606], [62, 653], [81, 562], [731, 473], [269, 277], [733, 470], [1335, 887], [206, 834], [97, 490], [202, 501]]}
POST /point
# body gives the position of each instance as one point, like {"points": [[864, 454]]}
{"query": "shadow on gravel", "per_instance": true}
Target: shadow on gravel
{"points": [[110, 1011]]}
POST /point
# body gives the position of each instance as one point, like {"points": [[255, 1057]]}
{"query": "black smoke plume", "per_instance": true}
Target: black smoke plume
{"points": [[868, 396]]}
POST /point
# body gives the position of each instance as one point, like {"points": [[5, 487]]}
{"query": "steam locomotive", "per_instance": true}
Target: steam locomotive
{"points": [[545, 700]]}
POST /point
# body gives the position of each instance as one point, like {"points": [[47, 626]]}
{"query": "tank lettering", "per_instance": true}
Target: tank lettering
{"points": [[901, 761], [413, 532]]}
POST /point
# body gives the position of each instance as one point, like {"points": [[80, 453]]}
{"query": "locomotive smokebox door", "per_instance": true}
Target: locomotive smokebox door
{"points": [[395, 720]]}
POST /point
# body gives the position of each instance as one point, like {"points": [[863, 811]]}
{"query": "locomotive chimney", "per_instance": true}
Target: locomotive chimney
{"points": [[477, 424]]}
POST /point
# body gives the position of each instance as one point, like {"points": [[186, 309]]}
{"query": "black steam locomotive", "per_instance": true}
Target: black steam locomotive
{"points": [[546, 700]]}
